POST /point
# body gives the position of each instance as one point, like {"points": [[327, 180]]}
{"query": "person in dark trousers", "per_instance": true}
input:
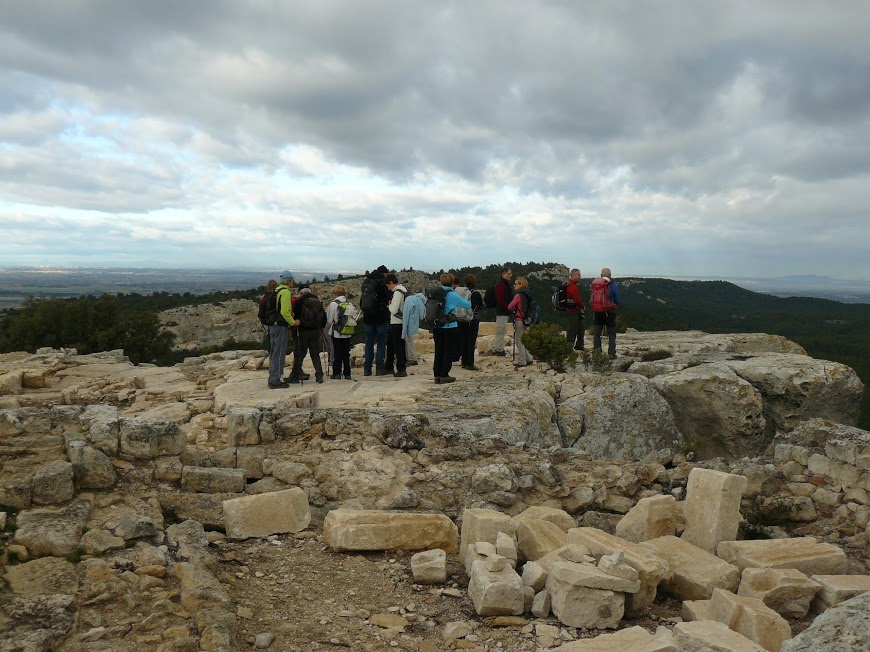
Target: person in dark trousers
{"points": [[468, 328], [395, 344], [340, 341], [503, 295], [374, 302], [445, 336], [575, 312], [605, 299], [311, 317], [279, 334]]}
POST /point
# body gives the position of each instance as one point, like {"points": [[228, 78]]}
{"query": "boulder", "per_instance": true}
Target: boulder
{"points": [[53, 530], [102, 427], [429, 567], [537, 538], [633, 639], [803, 553], [596, 420], [495, 592], [243, 426], [718, 413], [846, 628], [751, 618], [200, 589], [650, 518], [704, 635], [91, 468], [345, 529], [534, 576], [208, 481], [53, 483], [506, 546], [695, 573], [146, 440], [651, 568], [576, 605], [787, 591], [542, 513], [100, 541], [277, 512], [44, 576], [712, 509]]}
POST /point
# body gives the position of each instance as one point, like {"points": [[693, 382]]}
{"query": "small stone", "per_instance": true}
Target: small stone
{"points": [[244, 612], [264, 640], [388, 620], [456, 630]]}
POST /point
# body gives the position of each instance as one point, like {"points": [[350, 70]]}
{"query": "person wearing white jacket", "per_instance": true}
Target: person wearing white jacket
{"points": [[395, 341]]}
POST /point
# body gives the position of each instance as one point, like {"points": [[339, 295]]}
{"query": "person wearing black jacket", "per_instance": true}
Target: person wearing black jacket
{"points": [[311, 318], [468, 329], [374, 302]]}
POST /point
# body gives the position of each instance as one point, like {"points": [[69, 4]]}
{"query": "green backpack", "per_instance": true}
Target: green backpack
{"points": [[346, 322]]}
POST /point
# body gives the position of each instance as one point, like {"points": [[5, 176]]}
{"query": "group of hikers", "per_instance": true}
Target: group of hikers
{"points": [[391, 316]]}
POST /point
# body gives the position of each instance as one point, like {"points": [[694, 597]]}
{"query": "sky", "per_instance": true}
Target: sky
{"points": [[660, 137]]}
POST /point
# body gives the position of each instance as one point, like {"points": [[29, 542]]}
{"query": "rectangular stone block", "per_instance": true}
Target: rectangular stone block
{"points": [[243, 426], [712, 509], [429, 567], [805, 554], [651, 568], [260, 515], [145, 440], [580, 606], [569, 552], [211, 481], [495, 593], [785, 590], [537, 538], [483, 525], [695, 572], [542, 513], [650, 518], [838, 588], [346, 529], [695, 610], [751, 618], [589, 576], [633, 639], [712, 635]]}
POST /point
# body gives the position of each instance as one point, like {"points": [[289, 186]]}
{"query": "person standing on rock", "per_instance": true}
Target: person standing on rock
{"points": [[311, 317], [395, 343], [340, 341], [503, 296], [374, 301], [575, 311], [519, 306], [470, 325], [605, 299], [279, 334], [445, 336]]}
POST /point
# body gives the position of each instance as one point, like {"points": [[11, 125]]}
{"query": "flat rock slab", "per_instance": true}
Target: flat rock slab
{"points": [[805, 554], [264, 514], [205, 480], [574, 574], [838, 588], [695, 571], [750, 617], [345, 529], [633, 639], [53, 531], [711, 635], [44, 576]]}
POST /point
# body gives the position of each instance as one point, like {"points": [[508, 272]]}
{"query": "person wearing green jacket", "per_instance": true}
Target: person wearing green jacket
{"points": [[279, 334]]}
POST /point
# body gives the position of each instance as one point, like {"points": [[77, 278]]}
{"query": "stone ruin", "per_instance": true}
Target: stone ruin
{"points": [[563, 507]]}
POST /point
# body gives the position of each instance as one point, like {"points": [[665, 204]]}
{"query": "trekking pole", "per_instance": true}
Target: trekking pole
{"points": [[514, 351]]}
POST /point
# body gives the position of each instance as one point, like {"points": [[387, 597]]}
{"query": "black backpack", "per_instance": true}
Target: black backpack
{"points": [[311, 314], [489, 299], [436, 308], [368, 301], [268, 312], [561, 302], [533, 312]]}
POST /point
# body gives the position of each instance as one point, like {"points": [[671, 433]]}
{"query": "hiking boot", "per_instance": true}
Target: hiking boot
{"points": [[302, 376], [579, 348], [348, 377], [381, 372], [500, 354], [389, 370], [305, 376], [470, 367], [447, 379], [319, 379], [293, 381], [613, 357], [401, 374], [335, 377], [279, 386], [437, 380], [367, 373], [412, 363]]}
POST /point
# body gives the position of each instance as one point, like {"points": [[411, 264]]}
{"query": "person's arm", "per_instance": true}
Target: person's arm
{"points": [[285, 307], [516, 303], [573, 293], [395, 303], [614, 293]]}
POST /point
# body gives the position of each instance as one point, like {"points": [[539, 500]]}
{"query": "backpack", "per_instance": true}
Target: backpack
{"points": [[436, 308], [533, 310], [311, 313], [489, 299], [464, 314], [561, 302], [368, 300], [346, 322], [399, 312], [268, 311], [601, 296]]}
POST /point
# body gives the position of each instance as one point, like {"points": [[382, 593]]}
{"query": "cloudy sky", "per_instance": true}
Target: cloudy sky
{"points": [[664, 137]]}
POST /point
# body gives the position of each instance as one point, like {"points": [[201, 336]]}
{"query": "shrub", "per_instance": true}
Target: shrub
{"points": [[600, 362], [658, 354], [546, 342]]}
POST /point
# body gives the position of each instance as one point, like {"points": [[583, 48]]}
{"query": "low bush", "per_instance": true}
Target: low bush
{"points": [[658, 354], [546, 343]]}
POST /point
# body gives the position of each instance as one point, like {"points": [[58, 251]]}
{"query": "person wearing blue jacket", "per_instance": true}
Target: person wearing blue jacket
{"points": [[445, 337]]}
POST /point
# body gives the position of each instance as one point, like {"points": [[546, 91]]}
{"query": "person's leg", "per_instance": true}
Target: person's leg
{"points": [[522, 354], [410, 351], [312, 345], [580, 344], [301, 341], [278, 343], [611, 335], [501, 322], [371, 335], [438, 336], [598, 318], [398, 347], [450, 335], [337, 349], [389, 360], [458, 348], [473, 329], [346, 356], [571, 331], [381, 330]]}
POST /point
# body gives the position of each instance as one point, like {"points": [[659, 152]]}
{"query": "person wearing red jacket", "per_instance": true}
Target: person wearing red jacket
{"points": [[575, 311]]}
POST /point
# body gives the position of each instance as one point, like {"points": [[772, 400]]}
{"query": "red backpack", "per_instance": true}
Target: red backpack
{"points": [[601, 296]]}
